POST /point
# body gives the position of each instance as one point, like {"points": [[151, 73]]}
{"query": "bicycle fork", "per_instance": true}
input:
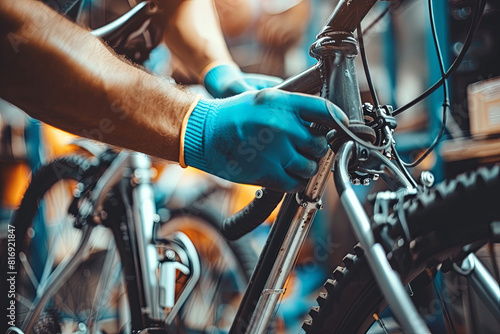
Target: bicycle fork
{"points": [[159, 260], [335, 52]]}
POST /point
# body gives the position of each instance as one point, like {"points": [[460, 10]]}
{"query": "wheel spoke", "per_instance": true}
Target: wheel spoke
{"points": [[23, 300], [104, 286], [29, 271]]}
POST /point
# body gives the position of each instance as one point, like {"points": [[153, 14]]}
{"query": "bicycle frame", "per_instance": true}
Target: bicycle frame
{"points": [[334, 77]]}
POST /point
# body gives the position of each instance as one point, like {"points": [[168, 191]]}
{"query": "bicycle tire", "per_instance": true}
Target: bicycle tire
{"points": [[227, 278], [351, 296], [73, 168]]}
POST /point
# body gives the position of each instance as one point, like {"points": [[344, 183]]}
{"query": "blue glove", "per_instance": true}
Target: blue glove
{"points": [[228, 80], [261, 137]]}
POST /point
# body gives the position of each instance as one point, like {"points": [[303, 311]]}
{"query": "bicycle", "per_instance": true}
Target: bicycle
{"points": [[405, 236]]}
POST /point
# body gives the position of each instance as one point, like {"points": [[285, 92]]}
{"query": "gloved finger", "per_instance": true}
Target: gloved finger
{"points": [[260, 81], [276, 178], [308, 141], [236, 87], [309, 108], [285, 182], [301, 167], [313, 146]]}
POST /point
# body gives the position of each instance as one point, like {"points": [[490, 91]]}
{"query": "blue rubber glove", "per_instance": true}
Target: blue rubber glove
{"points": [[228, 80], [261, 137]]}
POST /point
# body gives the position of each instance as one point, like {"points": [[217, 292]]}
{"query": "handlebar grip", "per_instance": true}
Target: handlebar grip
{"points": [[252, 215]]}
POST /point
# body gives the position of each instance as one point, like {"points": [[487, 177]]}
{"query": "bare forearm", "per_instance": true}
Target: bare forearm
{"points": [[193, 34], [62, 75]]}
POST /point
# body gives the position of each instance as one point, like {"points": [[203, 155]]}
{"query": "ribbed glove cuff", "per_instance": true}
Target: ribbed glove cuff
{"points": [[193, 140]]}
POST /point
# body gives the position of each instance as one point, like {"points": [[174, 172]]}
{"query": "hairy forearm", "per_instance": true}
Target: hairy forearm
{"points": [[62, 75], [194, 35]]}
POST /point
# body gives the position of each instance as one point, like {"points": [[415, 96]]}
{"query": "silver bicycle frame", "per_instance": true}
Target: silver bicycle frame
{"points": [[482, 282], [144, 211], [336, 52], [144, 218], [342, 89], [294, 239]]}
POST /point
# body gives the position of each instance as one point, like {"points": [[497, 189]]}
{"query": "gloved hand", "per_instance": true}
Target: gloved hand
{"points": [[262, 137], [228, 80]]}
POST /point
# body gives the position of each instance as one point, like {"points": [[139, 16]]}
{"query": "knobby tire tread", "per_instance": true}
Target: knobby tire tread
{"points": [[441, 215]]}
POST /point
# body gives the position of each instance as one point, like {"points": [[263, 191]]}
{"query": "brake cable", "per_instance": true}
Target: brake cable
{"points": [[476, 19]]}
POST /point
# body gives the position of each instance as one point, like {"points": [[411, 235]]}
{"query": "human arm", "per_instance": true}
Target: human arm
{"points": [[283, 29], [193, 34], [61, 74]]}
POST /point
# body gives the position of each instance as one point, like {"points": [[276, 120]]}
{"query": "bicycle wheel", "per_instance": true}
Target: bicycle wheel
{"points": [[225, 270], [441, 220], [89, 299]]}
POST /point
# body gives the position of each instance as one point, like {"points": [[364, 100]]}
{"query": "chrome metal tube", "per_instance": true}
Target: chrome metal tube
{"points": [[387, 279], [195, 273], [482, 282], [294, 239], [144, 211]]}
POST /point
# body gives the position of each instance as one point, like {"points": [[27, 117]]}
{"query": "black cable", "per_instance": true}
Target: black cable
{"points": [[376, 101], [378, 18], [476, 19], [374, 93], [446, 103], [402, 167], [444, 75], [366, 68], [362, 142]]}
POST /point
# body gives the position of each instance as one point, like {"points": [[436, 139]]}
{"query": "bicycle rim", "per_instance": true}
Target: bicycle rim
{"points": [[90, 300]]}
